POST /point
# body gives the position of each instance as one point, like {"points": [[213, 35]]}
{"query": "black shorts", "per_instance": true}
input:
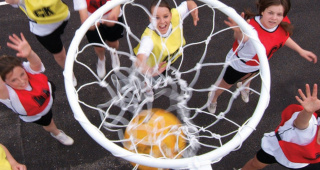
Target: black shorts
{"points": [[231, 75], [53, 42], [45, 120], [110, 34], [265, 158]]}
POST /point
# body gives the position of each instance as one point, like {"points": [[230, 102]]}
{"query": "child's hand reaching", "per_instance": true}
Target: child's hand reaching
{"points": [[310, 102], [20, 45]]}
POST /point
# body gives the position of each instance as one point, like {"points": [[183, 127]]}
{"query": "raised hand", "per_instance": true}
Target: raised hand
{"points": [[192, 6], [237, 31], [231, 23], [21, 45], [308, 55], [309, 101], [18, 166]]}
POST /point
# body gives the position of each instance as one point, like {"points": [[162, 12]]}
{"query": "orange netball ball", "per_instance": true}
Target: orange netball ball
{"points": [[155, 132]]}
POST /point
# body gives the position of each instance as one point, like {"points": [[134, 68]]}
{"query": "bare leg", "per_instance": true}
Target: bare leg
{"points": [[113, 44], [218, 92], [61, 57], [100, 51], [254, 164], [58, 134], [246, 78], [52, 128]]}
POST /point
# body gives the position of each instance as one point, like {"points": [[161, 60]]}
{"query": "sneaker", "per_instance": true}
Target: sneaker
{"points": [[244, 93], [74, 81], [212, 106], [63, 138], [115, 60], [101, 68]]}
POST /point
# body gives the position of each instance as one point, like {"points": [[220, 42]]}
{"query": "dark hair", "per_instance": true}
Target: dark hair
{"points": [[162, 3], [7, 63], [264, 4]]}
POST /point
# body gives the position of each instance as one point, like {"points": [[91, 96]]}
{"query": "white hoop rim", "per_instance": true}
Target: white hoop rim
{"points": [[202, 160]]}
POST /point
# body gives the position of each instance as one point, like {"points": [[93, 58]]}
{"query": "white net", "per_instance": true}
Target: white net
{"points": [[106, 108]]}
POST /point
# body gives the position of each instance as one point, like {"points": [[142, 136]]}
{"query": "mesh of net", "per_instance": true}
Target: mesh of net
{"points": [[111, 103]]}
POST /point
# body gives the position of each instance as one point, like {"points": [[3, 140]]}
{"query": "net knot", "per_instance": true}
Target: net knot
{"points": [[221, 115], [103, 84], [216, 136], [169, 80], [198, 66], [178, 75], [208, 40]]}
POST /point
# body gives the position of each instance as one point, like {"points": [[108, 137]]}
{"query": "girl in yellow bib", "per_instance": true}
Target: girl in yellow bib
{"points": [[161, 41], [7, 161]]}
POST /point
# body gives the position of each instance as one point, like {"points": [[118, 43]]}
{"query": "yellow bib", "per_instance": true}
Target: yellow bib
{"points": [[4, 164], [45, 11], [171, 46]]}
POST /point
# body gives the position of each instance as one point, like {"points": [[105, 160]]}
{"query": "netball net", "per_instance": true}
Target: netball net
{"points": [[105, 107]]}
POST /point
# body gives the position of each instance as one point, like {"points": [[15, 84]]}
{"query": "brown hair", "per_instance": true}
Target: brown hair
{"points": [[162, 3], [7, 63], [264, 4]]}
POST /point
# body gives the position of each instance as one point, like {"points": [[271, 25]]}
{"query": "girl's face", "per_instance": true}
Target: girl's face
{"points": [[17, 78], [272, 16], [163, 19]]}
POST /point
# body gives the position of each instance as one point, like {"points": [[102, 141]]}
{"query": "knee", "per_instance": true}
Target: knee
{"points": [[113, 44], [256, 164], [99, 50]]}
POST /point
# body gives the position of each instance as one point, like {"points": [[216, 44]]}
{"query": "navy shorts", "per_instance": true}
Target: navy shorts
{"points": [[45, 120], [110, 34], [53, 42], [231, 75]]}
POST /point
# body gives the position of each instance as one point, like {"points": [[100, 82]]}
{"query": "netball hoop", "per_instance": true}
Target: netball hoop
{"points": [[106, 107]]}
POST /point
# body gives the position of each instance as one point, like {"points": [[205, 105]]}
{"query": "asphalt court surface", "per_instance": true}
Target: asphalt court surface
{"points": [[33, 146]]}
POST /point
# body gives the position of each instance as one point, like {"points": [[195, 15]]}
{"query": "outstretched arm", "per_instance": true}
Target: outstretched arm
{"points": [[141, 63], [83, 13], [4, 94], [14, 164], [308, 55], [24, 50], [192, 5], [12, 2], [113, 16], [238, 35], [310, 103]]}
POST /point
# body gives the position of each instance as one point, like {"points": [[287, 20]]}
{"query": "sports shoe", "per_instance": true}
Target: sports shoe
{"points": [[74, 81], [244, 93], [101, 68], [63, 138], [212, 106], [115, 60]]}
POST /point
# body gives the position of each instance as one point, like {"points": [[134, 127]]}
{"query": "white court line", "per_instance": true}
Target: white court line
{"points": [[3, 3]]}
